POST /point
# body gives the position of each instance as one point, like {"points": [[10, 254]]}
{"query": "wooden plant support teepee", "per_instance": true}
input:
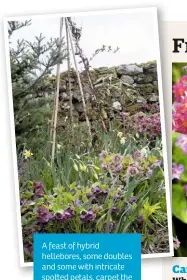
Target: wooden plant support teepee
{"points": [[69, 83], [79, 80], [56, 100], [56, 96]]}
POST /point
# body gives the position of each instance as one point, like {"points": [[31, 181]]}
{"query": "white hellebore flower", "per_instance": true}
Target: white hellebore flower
{"points": [[117, 106], [122, 140], [120, 134]]}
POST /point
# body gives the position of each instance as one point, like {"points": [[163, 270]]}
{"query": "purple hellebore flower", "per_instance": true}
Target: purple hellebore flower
{"points": [[77, 202], [103, 154], [63, 217], [22, 201], [104, 166], [67, 215], [38, 189], [89, 195], [95, 200], [118, 168], [96, 190], [176, 243], [70, 210], [133, 169], [59, 217], [138, 155], [28, 246], [39, 192], [73, 191], [132, 199], [140, 219], [87, 216], [114, 209], [91, 215], [43, 215], [37, 185], [182, 142], [123, 115], [116, 197], [177, 171], [112, 227], [149, 173], [157, 163], [115, 180], [117, 158], [103, 192]]}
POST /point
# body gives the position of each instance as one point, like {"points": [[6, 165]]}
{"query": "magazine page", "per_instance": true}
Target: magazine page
{"points": [[89, 142], [176, 77], [100, 187]]}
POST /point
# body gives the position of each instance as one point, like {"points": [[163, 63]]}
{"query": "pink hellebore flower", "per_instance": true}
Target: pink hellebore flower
{"points": [[38, 189], [179, 123], [182, 142], [138, 155], [133, 169], [176, 243], [179, 91], [149, 173], [43, 215], [117, 158], [177, 171]]}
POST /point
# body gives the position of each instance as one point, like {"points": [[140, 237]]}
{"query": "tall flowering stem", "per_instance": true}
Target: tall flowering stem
{"points": [[179, 128]]}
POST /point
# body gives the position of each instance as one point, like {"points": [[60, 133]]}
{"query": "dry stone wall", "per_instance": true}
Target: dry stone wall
{"points": [[122, 88]]}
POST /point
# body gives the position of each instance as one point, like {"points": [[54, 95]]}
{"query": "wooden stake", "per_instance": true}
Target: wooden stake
{"points": [[69, 83], [87, 71], [56, 100], [79, 80]]}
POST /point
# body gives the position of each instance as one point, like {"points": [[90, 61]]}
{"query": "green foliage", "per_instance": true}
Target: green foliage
{"points": [[177, 71], [76, 175]]}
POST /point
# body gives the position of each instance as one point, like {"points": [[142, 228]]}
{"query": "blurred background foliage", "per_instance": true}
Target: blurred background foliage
{"points": [[177, 71]]}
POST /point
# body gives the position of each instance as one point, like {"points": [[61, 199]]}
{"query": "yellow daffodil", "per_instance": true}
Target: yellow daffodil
{"points": [[120, 134], [122, 140], [27, 154]]}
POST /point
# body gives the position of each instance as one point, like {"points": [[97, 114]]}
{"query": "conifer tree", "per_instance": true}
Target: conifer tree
{"points": [[31, 67]]}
